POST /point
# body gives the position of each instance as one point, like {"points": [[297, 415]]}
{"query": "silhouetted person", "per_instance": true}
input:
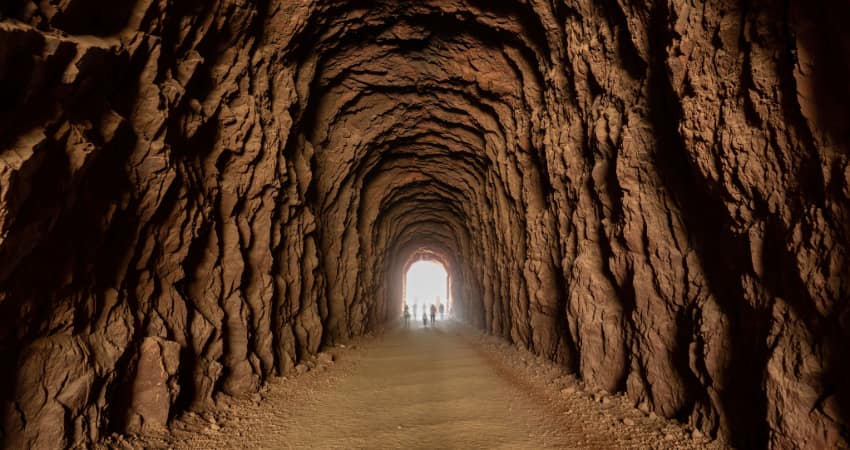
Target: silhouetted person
{"points": [[424, 319], [415, 308], [442, 311], [406, 316], [433, 314]]}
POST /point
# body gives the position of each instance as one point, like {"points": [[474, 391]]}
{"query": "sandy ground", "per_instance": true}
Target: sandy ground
{"points": [[441, 387]]}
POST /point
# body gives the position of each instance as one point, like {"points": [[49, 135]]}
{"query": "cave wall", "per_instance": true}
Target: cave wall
{"points": [[195, 195]]}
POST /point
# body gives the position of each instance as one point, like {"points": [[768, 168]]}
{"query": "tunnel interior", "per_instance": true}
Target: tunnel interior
{"points": [[653, 195]]}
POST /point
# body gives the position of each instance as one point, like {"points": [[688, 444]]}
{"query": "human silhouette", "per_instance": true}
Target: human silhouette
{"points": [[415, 308], [424, 319], [406, 316], [433, 314], [442, 311]]}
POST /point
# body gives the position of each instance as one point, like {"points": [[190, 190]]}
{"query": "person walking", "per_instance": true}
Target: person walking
{"points": [[415, 307], [433, 314], [424, 319], [442, 311], [406, 316]]}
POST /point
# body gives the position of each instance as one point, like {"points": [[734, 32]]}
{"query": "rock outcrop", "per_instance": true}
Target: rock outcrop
{"points": [[195, 195]]}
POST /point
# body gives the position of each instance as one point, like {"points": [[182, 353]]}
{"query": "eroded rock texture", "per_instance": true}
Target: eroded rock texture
{"points": [[196, 194]]}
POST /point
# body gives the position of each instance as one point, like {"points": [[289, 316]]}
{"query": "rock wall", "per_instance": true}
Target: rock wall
{"points": [[194, 195]]}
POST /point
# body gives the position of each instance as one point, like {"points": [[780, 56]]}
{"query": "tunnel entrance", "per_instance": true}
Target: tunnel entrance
{"points": [[426, 282]]}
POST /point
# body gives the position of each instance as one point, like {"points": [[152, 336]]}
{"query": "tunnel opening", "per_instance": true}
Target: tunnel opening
{"points": [[427, 282]]}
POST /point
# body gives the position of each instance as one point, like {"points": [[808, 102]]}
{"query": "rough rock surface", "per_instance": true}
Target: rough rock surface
{"points": [[155, 387], [653, 194]]}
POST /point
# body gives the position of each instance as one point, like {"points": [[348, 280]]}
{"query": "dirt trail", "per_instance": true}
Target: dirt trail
{"points": [[442, 387]]}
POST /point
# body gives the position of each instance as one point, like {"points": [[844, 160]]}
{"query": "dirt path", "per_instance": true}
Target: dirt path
{"points": [[445, 387]]}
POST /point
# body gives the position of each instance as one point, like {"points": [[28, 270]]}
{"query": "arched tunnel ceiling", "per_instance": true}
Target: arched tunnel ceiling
{"points": [[655, 195], [427, 124]]}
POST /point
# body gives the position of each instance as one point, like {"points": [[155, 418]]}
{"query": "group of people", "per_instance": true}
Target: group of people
{"points": [[433, 311]]}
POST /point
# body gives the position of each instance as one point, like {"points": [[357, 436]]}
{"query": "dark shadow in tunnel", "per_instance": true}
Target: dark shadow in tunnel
{"points": [[820, 32], [721, 253], [87, 17], [58, 275], [725, 254]]}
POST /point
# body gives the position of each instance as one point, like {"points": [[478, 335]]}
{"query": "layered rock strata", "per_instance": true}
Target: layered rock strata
{"points": [[194, 195]]}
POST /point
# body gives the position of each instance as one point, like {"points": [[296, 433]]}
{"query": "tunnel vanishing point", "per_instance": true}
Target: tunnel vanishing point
{"points": [[197, 194]]}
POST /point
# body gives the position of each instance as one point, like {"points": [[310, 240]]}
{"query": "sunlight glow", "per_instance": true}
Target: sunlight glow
{"points": [[426, 281]]}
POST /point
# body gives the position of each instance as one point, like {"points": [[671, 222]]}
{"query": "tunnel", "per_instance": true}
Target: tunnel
{"points": [[201, 199]]}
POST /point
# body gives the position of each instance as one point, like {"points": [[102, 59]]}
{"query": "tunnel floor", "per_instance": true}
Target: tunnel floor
{"points": [[441, 387]]}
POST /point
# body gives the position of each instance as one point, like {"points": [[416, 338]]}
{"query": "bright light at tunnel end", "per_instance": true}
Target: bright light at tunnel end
{"points": [[425, 282]]}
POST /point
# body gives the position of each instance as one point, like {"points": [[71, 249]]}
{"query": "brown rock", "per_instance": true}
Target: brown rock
{"points": [[654, 196], [696, 434], [155, 386], [325, 358]]}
